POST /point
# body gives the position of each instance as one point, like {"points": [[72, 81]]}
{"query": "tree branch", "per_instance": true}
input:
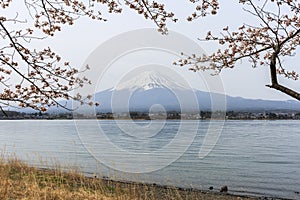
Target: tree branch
{"points": [[285, 90], [275, 84], [3, 111]]}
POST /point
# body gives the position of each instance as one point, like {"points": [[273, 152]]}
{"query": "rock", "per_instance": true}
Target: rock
{"points": [[224, 188], [211, 188]]}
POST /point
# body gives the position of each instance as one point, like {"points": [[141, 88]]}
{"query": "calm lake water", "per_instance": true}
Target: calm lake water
{"points": [[251, 157]]}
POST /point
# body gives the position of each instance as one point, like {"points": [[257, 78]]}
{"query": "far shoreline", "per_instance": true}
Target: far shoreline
{"points": [[127, 119]]}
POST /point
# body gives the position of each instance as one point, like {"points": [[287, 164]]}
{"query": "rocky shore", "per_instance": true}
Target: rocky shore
{"points": [[162, 192], [21, 181]]}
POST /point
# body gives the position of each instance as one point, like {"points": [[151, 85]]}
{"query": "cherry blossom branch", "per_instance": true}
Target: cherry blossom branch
{"points": [[276, 36]]}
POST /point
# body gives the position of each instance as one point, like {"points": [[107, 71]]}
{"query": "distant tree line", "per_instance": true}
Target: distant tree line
{"points": [[171, 115]]}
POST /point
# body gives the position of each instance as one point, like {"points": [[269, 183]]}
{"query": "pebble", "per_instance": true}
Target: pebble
{"points": [[224, 188]]}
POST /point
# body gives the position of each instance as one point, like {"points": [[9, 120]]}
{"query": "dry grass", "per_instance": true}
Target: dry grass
{"points": [[20, 181]]}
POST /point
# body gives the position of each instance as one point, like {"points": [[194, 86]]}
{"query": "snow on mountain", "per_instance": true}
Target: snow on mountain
{"points": [[150, 80], [149, 88]]}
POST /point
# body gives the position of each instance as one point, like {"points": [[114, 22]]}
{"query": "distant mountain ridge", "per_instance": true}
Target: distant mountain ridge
{"points": [[149, 88]]}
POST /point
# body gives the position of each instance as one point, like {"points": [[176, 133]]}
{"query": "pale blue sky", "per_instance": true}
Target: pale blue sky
{"points": [[75, 43]]}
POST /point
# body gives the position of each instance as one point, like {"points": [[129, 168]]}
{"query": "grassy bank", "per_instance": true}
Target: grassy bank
{"points": [[20, 181]]}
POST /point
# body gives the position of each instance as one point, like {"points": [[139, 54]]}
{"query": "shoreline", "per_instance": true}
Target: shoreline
{"points": [[126, 119], [164, 189], [225, 195], [19, 180]]}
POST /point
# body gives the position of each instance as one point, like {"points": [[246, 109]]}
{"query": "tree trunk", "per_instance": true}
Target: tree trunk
{"points": [[274, 81]]}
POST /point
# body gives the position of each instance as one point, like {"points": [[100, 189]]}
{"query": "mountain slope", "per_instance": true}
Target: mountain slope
{"points": [[150, 88]]}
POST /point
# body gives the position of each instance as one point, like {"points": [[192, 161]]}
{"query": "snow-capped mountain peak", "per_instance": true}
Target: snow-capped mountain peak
{"points": [[150, 80]]}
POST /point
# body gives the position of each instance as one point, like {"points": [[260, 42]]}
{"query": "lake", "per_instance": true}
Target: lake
{"points": [[250, 157]]}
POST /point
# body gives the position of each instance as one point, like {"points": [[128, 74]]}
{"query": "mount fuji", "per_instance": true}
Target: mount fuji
{"points": [[150, 88], [145, 90], [151, 80]]}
